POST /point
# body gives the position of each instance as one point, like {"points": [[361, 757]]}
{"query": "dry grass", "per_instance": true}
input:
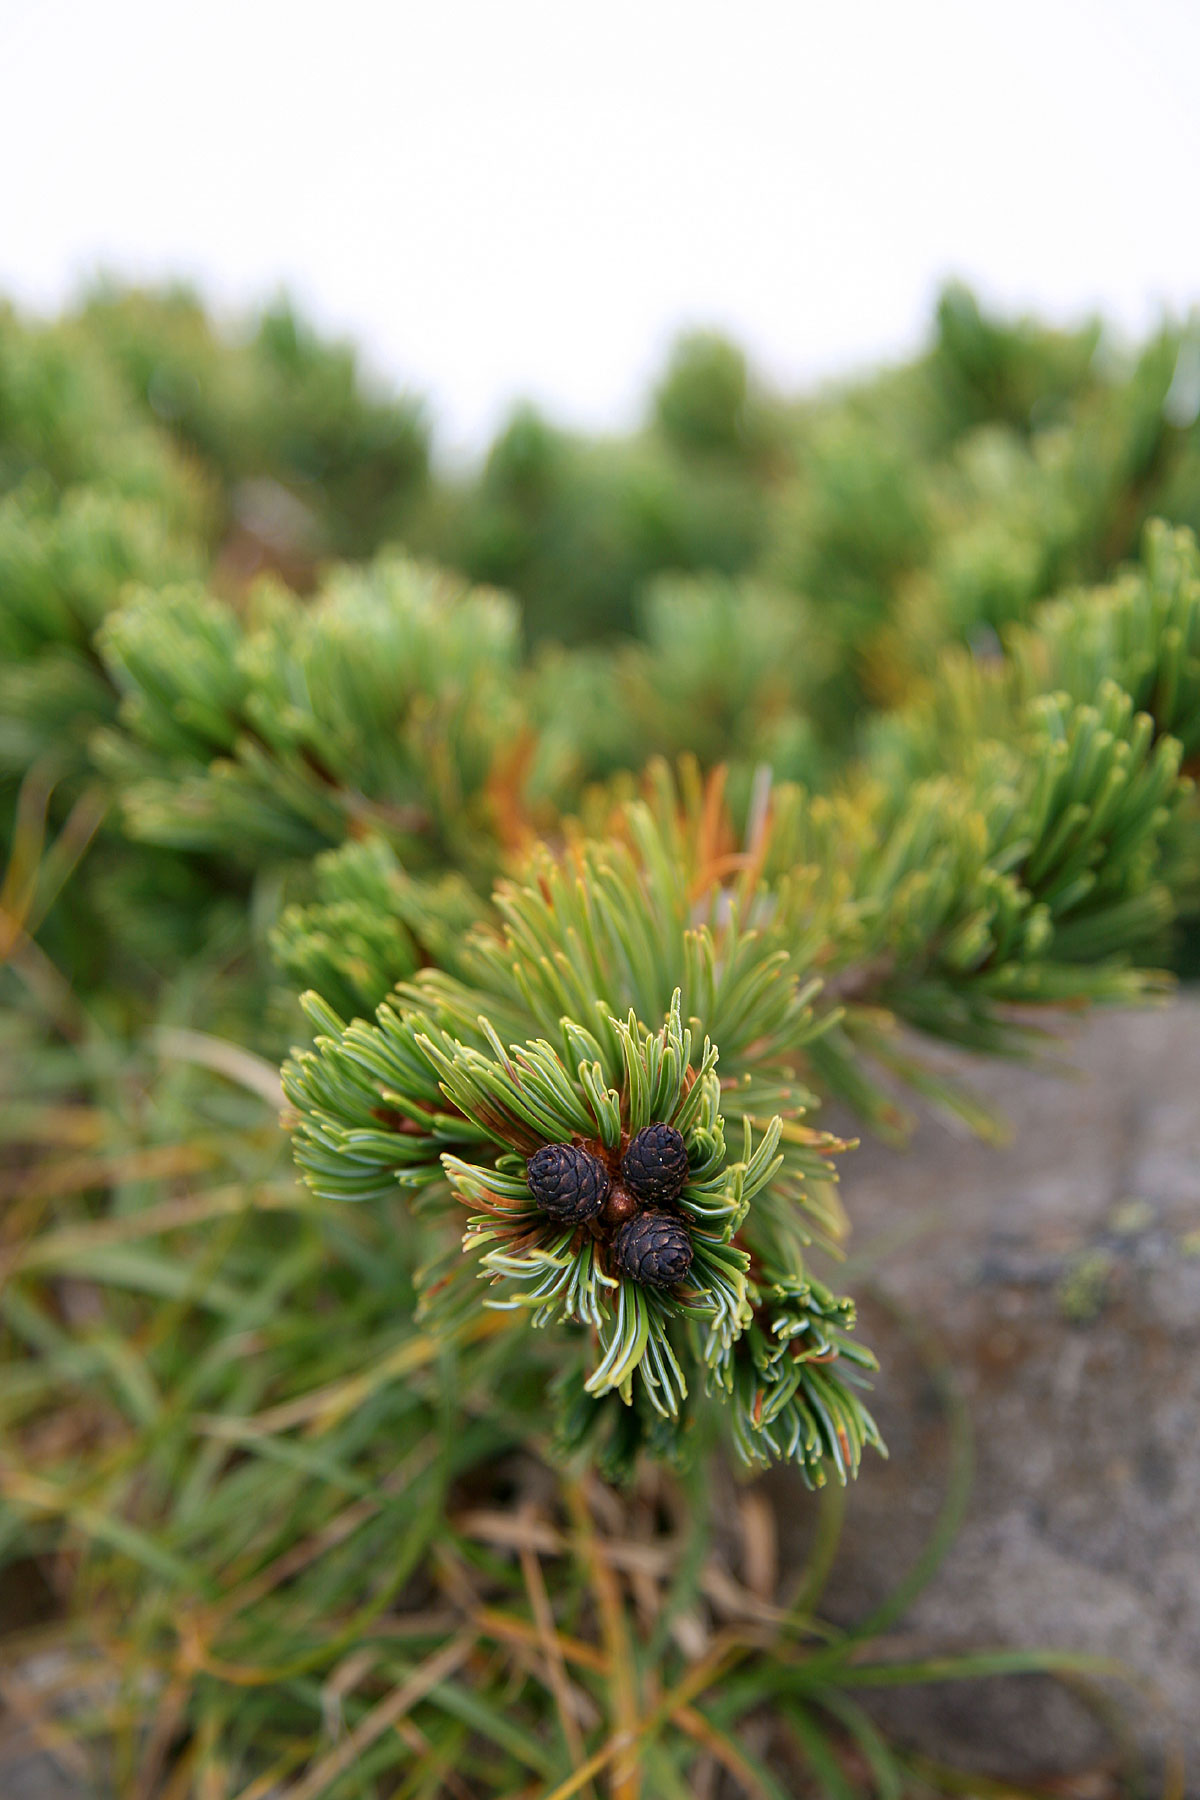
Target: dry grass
{"points": [[292, 1547]]}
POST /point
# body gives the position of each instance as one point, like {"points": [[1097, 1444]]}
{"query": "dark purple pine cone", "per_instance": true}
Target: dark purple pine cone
{"points": [[654, 1248], [655, 1165], [567, 1182]]}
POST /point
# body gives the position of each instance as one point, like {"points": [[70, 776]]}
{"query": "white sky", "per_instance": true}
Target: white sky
{"points": [[503, 197]]}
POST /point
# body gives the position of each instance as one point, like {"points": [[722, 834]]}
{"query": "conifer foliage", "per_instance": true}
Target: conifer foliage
{"points": [[669, 974], [805, 736]]}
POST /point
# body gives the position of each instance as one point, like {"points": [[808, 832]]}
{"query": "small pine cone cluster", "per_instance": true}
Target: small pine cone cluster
{"points": [[567, 1182], [654, 1248], [655, 1166], [571, 1186]]}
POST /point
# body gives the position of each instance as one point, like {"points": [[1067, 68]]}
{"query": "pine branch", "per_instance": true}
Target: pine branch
{"points": [[1026, 879], [381, 707]]}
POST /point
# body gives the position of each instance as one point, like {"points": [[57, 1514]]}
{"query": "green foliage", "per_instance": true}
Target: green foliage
{"points": [[63, 564], [724, 670], [726, 673], [1025, 879], [306, 1542], [1107, 682], [370, 926], [282, 728], [67, 419], [704, 403], [576, 528], [313, 1478], [1020, 510], [550, 1033], [1018, 374], [274, 402]]}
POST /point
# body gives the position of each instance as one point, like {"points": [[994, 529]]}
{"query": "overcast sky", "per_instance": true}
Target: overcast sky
{"points": [[515, 197]]}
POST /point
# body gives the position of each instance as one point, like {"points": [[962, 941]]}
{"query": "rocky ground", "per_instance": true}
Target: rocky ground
{"points": [[1060, 1276]]}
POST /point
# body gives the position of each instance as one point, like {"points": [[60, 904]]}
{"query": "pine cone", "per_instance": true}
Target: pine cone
{"points": [[654, 1248], [655, 1165], [568, 1183]]}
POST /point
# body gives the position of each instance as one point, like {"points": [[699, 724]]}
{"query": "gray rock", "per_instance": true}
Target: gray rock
{"points": [[30, 1775], [1061, 1276]]}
